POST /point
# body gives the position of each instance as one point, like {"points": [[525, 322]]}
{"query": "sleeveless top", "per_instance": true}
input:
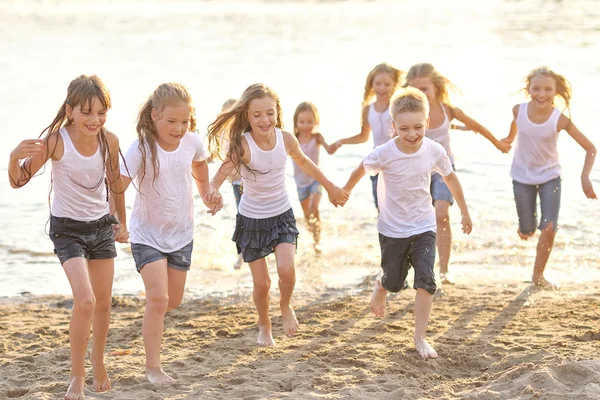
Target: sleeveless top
{"points": [[441, 134], [78, 187], [536, 158], [265, 194], [311, 149], [381, 125]]}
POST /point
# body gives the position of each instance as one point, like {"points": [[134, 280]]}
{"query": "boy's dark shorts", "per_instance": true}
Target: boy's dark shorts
{"points": [[92, 240], [398, 255], [179, 259]]}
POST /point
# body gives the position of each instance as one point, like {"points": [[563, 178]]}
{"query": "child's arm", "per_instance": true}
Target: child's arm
{"points": [[336, 195], [475, 126], [329, 148], [512, 133], [213, 196], [453, 184], [36, 153], [590, 154], [356, 176], [117, 189], [363, 136], [200, 174]]}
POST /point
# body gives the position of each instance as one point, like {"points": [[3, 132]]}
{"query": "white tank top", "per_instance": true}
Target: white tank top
{"points": [[536, 158], [441, 134], [311, 149], [78, 185], [265, 195], [381, 125]]}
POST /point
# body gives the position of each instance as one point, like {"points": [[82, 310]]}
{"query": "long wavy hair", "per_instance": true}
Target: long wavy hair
{"points": [[563, 86], [386, 68]]}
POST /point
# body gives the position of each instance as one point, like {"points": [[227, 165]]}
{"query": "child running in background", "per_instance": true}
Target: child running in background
{"points": [[83, 155], [306, 117], [436, 87], [536, 168], [165, 161], [258, 150], [382, 82], [407, 222]]}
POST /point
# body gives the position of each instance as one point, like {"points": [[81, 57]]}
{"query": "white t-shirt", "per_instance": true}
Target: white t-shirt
{"points": [[163, 213], [403, 191]]}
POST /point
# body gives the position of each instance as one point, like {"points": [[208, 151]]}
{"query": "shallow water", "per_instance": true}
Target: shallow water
{"points": [[319, 51]]}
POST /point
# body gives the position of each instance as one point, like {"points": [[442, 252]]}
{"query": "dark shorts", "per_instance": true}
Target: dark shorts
{"points": [[93, 240], [526, 200], [398, 255], [374, 179], [257, 238], [179, 259]]}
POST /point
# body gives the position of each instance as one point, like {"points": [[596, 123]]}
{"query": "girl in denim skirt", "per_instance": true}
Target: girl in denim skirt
{"points": [[536, 168], [258, 150], [165, 162], [85, 161], [306, 117]]}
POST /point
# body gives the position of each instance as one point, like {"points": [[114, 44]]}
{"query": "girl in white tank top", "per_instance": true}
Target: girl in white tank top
{"points": [[265, 222], [84, 156], [306, 118], [436, 87], [535, 168]]}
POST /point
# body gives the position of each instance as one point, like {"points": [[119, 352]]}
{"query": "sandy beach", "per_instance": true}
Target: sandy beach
{"points": [[498, 341]]}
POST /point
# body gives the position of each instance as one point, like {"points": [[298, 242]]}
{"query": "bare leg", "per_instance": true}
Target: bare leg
{"points": [[544, 247], [378, 298], [101, 278], [423, 304], [443, 238], [284, 253], [260, 294], [314, 219], [156, 282], [176, 287], [81, 320]]}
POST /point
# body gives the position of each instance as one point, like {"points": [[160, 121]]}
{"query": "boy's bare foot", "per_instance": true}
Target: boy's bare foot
{"points": [[525, 236], [543, 284], [446, 278], [75, 390], [101, 381], [265, 337], [425, 349], [157, 376], [378, 299], [238, 263], [290, 323]]}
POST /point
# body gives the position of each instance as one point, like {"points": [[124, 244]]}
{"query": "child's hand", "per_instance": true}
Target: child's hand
{"points": [[503, 146], [27, 148], [214, 201], [337, 196], [335, 146], [588, 189], [121, 233], [507, 141], [459, 127], [467, 225]]}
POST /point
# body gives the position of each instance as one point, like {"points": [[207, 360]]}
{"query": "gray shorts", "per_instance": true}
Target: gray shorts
{"points": [[439, 189], [92, 240], [398, 255], [526, 200], [179, 259], [306, 191]]}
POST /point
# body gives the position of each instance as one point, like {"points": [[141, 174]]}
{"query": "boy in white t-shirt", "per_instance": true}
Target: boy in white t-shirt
{"points": [[407, 222]]}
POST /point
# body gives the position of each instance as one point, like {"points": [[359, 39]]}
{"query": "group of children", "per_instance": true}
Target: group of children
{"points": [[411, 166]]}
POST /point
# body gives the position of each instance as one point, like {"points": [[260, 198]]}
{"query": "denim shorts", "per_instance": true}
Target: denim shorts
{"points": [[526, 200], [92, 240], [179, 259], [439, 189], [374, 179], [305, 192], [398, 255]]}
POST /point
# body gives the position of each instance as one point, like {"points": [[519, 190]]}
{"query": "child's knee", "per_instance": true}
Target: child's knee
{"points": [[262, 286], [442, 218], [392, 285], [426, 282], [550, 227], [84, 304], [287, 274]]}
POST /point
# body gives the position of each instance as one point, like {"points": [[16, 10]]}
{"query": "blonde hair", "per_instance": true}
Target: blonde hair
{"points": [[228, 104], [442, 85], [386, 68], [563, 86], [409, 100], [305, 106], [235, 122], [166, 95]]}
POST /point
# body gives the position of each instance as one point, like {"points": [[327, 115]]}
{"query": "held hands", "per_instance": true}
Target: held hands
{"points": [[214, 201], [588, 189], [337, 196], [467, 225], [504, 145], [27, 148], [335, 146], [121, 233]]}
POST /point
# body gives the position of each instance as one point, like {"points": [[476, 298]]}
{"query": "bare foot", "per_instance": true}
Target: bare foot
{"points": [[290, 323], [317, 249], [378, 299], [101, 381], [75, 390], [525, 236], [238, 263], [446, 278], [158, 377], [425, 349], [265, 337], [543, 284]]}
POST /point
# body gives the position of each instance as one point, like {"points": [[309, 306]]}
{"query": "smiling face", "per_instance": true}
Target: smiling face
{"points": [[305, 122], [425, 85], [171, 123], [542, 90], [410, 127], [262, 116], [88, 118], [383, 86]]}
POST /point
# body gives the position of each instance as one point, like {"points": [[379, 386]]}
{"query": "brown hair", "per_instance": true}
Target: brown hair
{"points": [[305, 106], [395, 73], [563, 86], [409, 100], [442, 85]]}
